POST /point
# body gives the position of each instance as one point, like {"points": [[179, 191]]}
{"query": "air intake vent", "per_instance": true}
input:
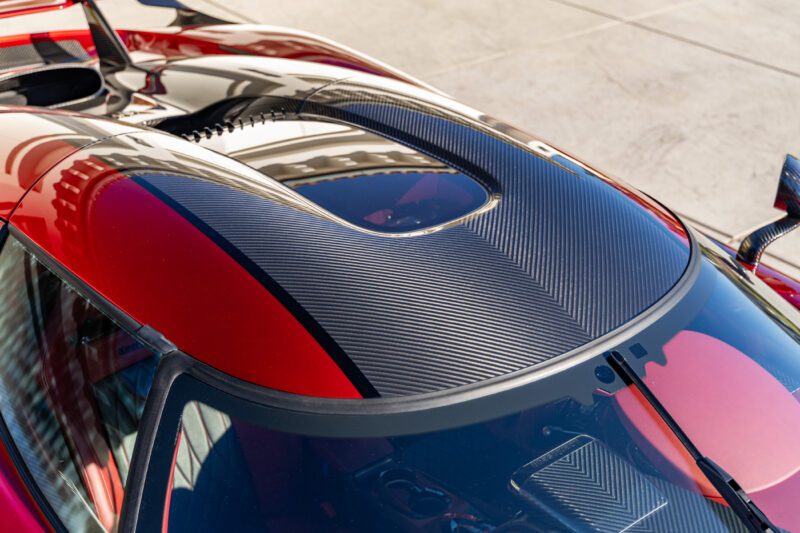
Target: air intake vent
{"points": [[50, 87]]}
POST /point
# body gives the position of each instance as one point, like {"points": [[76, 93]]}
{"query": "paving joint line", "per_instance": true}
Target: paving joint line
{"points": [[720, 51], [744, 233], [614, 21], [228, 10], [734, 240], [547, 42]]}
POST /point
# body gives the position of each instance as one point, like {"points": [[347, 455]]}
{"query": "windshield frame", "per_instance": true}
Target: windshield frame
{"points": [[180, 377]]}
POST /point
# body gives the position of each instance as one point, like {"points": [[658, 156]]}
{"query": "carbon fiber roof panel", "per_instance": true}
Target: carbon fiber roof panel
{"points": [[564, 257]]}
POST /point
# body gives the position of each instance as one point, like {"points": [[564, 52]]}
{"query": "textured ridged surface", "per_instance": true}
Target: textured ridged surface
{"points": [[562, 259], [582, 478], [603, 256], [593, 489]]}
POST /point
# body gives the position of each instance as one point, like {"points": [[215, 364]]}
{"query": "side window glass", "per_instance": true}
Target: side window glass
{"points": [[72, 391]]}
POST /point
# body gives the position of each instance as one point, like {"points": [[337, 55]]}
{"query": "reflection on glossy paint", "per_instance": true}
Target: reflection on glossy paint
{"points": [[129, 245], [367, 180], [32, 142], [256, 40]]}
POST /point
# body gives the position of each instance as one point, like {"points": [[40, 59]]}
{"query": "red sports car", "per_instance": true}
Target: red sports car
{"points": [[251, 280]]}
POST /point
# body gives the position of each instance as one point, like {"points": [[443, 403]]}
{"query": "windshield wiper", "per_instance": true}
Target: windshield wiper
{"points": [[730, 490]]}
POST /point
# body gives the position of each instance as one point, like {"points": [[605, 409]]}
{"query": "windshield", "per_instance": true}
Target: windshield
{"points": [[595, 456], [73, 385]]}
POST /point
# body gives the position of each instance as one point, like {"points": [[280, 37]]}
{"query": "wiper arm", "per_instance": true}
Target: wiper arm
{"points": [[730, 490]]}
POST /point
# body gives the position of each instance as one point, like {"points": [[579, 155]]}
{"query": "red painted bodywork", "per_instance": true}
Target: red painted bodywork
{"points": [[153, 264], [254, 40], [35, 141], [82, 36], [787, 287], [225, 40], [17, 507], [80, 210], [145, 258], [33, 7]]}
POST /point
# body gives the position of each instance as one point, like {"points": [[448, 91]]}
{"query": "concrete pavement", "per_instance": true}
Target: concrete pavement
{"points": [[695, 102]]}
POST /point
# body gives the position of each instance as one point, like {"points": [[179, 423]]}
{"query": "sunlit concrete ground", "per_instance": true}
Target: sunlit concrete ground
{"points": [[695, 102]]}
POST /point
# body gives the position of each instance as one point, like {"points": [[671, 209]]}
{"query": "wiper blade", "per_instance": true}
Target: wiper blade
{"points": [[730, 490], [736, 496]]}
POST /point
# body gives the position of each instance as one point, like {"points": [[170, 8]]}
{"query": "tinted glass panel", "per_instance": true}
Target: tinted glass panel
{"points": [[588, 455], [396, 202], [560, 467], [72, 391], [730, 376], [365, 179]]}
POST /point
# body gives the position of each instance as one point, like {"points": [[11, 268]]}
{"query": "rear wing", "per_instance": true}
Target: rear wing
{"points": [[111, 52], [110, 49], [14, 8]]}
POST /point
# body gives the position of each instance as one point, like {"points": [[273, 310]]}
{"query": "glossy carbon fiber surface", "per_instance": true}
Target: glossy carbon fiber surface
{"points": [[587, 487], [787, 199], [590, 248], [562, 259], [754, 245]]}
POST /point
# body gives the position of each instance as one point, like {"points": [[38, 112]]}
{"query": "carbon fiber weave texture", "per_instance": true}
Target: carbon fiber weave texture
{"points": [[563, 259], [593, 489]]}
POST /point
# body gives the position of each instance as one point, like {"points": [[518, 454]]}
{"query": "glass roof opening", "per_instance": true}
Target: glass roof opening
{"points": [[367, 180], [396, 202]]}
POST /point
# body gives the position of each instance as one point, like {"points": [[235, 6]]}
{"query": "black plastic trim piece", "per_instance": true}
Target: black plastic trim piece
{"points": [[155, 340], [327, 342], [169, 369]]}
